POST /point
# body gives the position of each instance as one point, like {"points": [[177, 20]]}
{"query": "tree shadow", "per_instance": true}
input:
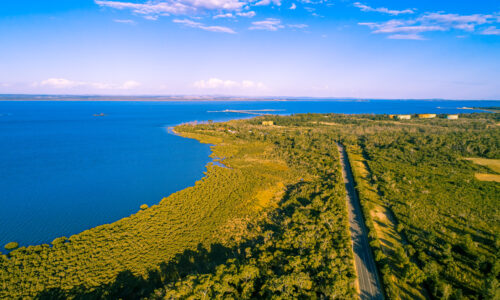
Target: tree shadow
{"points": [[128, 285], [202, 260]]}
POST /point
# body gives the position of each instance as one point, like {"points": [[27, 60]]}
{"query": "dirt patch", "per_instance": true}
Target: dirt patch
{"points": [[362, 168], [329, 123], [493, 164], [487, 177], [381, 215]]}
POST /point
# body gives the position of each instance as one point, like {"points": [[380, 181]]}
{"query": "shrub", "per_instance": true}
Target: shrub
{"points": [[11, 246]]}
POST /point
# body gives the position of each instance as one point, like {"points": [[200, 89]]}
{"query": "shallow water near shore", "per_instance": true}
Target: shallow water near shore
{"points": [[69, 166]]}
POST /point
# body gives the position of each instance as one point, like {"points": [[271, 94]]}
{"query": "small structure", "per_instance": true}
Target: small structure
{"points": [[267, 123], [426, 116], [403, 117], [452, 117], [391, 116]]}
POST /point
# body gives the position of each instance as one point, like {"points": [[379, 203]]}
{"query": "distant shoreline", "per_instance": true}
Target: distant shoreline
{"points": [[100, 98], [146, 100]]}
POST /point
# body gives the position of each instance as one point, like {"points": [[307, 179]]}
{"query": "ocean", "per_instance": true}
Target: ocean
{"points": [[64, 168]]}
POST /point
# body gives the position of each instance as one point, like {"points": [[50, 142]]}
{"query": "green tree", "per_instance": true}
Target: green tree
{"points": [[11, 246]]}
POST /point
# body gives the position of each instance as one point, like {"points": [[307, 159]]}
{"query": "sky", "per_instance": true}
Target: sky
{"points": [[410, 49]]}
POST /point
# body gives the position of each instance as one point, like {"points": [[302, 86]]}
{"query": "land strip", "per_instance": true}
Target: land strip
{"points": [[368, 280], [386, 238]]}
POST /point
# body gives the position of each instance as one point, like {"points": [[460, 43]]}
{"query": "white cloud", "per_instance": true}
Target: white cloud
{"points": [[269, 24], [173, 7], [132, 22], [217, 29], [272, 24], [62, 83], [194, 24], [161, 8], [247, 84], [249, 14], [228, 15], [455, 18], [267, 2], [492, 30], [151, 18], [216, 83], [463, 22], [128, 85], [398, 26], [313, 1], [187, 22], [384, 10], [298, 26], [408, 36], [293, 6], [432, 22]]}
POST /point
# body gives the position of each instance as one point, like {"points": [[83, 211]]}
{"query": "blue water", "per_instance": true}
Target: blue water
{"points": [[63, 170]]}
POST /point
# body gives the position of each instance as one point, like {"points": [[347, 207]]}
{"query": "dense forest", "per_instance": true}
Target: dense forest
{"points": [[418, 173], [272, 222]]}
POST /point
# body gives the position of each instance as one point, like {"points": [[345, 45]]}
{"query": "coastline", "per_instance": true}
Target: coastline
{"points": [[170, 130], [216, 161], [134, 209]]}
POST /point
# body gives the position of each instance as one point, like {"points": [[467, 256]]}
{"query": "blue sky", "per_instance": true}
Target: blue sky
{"points": [[320, 48]]}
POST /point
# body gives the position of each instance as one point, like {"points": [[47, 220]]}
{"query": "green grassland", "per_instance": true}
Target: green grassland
{"points": [[386, 240]]}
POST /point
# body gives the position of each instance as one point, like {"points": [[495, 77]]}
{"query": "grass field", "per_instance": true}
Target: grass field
{"points": [[487, 177], [384, 225], [493, 164]]}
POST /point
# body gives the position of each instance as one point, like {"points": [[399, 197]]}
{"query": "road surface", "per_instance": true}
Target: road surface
{"points": [[368, 280]]}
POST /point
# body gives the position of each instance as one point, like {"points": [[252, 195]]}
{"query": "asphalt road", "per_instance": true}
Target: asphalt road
{"points": [[368, 280]]}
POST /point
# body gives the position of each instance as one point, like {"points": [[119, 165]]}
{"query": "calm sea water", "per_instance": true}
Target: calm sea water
{"points": [[63, 170]]}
